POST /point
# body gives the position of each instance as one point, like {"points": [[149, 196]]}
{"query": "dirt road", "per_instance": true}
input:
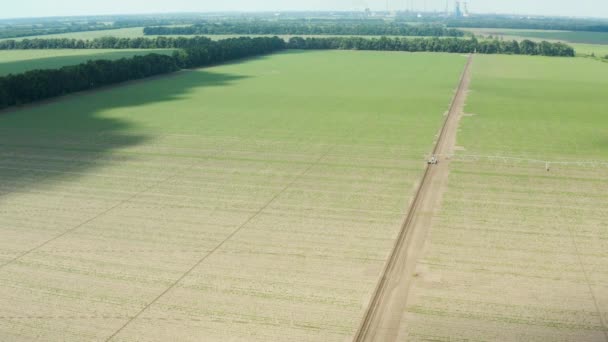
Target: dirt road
{"points": [[382, 321]]}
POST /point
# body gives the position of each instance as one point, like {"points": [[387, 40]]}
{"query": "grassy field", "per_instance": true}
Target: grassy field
{"points": [[559, 109], [250, 201], [517, 253], [589, 49], [18, 61]]}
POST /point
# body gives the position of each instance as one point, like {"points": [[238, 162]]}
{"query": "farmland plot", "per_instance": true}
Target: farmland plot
{"points": [[519, 253], [252, 201], [582, 37], [131, 32]]}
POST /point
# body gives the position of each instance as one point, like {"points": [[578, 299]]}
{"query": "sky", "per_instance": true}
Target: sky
{"points": [[45, 8]]}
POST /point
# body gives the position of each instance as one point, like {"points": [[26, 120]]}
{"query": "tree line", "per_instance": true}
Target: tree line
{"points": [[562, 24], [356, 28], [452, 45], [198, 52], [455, 45], [38, 85], [105, 43]]}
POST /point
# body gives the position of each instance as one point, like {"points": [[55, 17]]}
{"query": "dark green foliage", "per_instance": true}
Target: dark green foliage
{"points": [[105, 43], [128, 43], [43, 84], [358, 28], [562, 24], [197, 52], [434, 45], [526, 47]]}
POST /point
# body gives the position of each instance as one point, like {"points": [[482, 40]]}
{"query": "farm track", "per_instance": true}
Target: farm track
{"points": [[382, 319]]}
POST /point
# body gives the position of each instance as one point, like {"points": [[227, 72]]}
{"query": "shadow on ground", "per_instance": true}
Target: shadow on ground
{"points": [[57, 139]]}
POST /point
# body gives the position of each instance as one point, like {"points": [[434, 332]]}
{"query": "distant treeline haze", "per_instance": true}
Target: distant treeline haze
{"points": [[59, 27]]}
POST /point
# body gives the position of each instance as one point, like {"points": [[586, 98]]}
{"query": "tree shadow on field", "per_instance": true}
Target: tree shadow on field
{"points": [[60, 139]]}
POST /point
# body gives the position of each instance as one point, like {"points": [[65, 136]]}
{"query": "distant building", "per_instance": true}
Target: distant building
{"points": [[461, 9], [465, 12]]}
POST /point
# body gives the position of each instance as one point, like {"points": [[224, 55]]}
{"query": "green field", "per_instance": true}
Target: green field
{"points": [[250, 201], [133, 32], [554, 107], [516, 251], [566, 36], [18, 61], [589, 49]]}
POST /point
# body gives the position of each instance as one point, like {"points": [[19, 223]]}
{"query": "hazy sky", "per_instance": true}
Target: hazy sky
{"points": [[37, 8]]}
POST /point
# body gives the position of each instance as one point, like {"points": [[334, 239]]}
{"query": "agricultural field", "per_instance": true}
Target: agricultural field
{"points": [[138, 32], [18, 61], [584, 43], [582, 37], [250, 201], [567, 36], [590, 49], [131, 32], [516, 252]]}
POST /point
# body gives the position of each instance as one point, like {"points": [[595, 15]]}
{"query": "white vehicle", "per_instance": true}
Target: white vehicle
{"points": [[433, 161]]}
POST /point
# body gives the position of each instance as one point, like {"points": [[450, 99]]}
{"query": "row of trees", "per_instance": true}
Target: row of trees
{"points": [[357, 28], [37, 85], [197, 52], [453, 45], [525, 47], [105, 43], [563, 24]]}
